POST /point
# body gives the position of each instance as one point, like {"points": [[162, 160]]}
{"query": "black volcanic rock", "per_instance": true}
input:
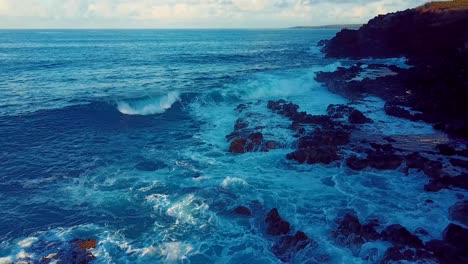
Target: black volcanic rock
{"points": [[413, 32], [400, 236], [357, 117], [447, 182], [435, 40], [352, 233], [275, 224], [453, 249], [356, 163], [459, 212], [288, 245]]}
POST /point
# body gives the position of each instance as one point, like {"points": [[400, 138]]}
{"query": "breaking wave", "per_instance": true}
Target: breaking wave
{"points": [[149, 106]]}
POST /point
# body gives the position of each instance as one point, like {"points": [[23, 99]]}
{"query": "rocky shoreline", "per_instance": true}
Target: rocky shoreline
{"points": [[433, 90]]}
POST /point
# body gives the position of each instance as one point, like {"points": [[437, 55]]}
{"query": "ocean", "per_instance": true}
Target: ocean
{"points": [[120, 136]]}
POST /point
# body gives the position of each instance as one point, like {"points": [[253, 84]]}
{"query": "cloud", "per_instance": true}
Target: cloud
{"points": [[192, 13]]}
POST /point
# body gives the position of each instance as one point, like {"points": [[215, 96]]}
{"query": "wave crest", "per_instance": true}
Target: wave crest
{"points": [[149, 106]]}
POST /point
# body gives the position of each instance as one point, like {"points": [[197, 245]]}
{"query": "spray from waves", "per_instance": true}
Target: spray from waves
{"points": [[286, 84], [149, 106]]}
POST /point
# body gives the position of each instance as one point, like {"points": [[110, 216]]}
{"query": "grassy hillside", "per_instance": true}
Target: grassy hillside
{"points": [[441, 6]]}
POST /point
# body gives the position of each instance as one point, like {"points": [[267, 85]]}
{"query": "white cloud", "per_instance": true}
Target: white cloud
{"points": [[195, 13]]}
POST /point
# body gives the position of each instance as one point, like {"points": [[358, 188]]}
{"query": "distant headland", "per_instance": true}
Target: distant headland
{"points": [[337, 26]]}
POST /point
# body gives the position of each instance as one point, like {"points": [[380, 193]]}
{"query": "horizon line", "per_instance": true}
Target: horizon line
{"points": [[333, 26]]}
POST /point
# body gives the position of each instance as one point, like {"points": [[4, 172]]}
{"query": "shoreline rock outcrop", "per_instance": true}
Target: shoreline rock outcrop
{"points": [[434, 38]]}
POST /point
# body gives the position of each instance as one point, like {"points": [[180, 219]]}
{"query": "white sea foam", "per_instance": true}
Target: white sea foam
{"points": [[175, 252], [149, 106], [189, 210]]}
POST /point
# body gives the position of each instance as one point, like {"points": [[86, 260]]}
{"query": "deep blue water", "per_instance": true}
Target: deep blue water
{"points": [[83, 113]]}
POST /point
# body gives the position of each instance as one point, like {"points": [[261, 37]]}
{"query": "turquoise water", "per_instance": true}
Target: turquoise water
{"points": [[120, 136]]}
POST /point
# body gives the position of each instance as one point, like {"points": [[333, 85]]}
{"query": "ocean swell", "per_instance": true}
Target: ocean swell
{"points": [[149, 106]]}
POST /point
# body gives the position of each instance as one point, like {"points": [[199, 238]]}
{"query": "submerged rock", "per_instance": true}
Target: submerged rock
{"points": [[150, 165], [242, 210]]}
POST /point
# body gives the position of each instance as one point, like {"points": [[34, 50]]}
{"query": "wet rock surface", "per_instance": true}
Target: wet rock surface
{"points": [[459, 212], [435, 86], [76, 251], [275, 224], [286, 245]]}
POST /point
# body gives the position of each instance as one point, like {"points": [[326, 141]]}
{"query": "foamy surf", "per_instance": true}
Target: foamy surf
{"points": [[149, 106]]}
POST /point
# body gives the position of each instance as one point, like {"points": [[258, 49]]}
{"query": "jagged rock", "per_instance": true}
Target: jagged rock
{"points": [[415, 161], [351, 232], [454, 248], [434, 86], [357, 117], [356, 163], [241, 124], [339, 111], [396, 254], [275, 224], [384, 160], [459, 212], [459, 163], [382, 147], [314, 155], [398, 235], [445, 149], [76, 251], [433, 168], [397, 111], [86, 244], [238, 146], [288, 245]]}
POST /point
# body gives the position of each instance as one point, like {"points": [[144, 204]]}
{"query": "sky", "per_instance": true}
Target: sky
{"points": [[192, 13]]}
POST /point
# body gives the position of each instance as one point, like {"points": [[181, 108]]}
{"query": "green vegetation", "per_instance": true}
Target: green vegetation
{"points": [[441, 6]]}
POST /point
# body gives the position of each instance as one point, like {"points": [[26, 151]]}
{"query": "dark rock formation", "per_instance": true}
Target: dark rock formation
{"points": [[287, 246], [409, 33], [275, 224], [238, 146], [383, 157], [447, 182], [357, 117], [400, 236], [352, 233], [242, 210], [76, 251], [356, 163], [436, 42], [459, 212], [445, 149], [453, 249]]}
